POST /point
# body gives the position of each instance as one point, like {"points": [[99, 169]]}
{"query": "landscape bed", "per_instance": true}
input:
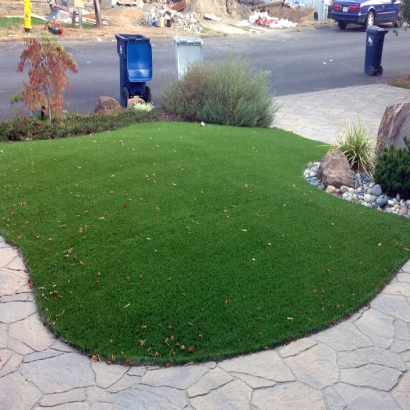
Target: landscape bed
{"points": [[169, 243]]}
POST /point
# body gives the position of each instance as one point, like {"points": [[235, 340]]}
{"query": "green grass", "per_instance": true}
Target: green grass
{"points": [[157, 236], [12, 22]]}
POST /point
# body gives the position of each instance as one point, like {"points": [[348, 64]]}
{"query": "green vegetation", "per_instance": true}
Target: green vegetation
{"points": [[171, 242], [69, 125], [228, 92], [392, 170], [13, 22], [358, 148]]}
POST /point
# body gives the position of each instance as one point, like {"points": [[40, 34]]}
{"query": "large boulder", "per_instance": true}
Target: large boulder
{"points": [[394, 126], [106, 104], [334, 169]]}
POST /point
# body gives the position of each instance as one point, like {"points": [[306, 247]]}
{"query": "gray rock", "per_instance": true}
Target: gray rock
{"points": [[377, 190], [335, 170], [382, 202], [394, 126]]}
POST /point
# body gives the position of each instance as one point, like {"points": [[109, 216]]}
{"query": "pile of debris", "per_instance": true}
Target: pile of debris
{"points": [[167, 16], [262, 19]]}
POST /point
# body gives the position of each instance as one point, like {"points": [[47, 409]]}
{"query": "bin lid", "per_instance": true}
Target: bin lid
{"points": [[187, 40], [376, 29], [131, 37]]}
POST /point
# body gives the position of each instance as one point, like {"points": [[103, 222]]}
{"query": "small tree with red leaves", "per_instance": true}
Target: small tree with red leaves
{"points": [[48, 63]]}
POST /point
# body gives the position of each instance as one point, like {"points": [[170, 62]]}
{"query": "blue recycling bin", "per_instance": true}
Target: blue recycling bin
{"points": [[135, 54], [374, 50]]}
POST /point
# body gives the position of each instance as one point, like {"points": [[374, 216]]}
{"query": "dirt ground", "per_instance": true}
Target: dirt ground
{"points": [[128, 20]]}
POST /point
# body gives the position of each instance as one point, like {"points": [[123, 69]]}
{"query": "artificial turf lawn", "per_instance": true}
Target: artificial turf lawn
{"points": [[158, 236]]}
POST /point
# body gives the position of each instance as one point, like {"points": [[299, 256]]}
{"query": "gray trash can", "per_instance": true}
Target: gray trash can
{"points": [[187, 50], [374, 50]]}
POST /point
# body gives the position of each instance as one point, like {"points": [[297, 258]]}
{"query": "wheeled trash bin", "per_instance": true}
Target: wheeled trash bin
{"points": [[374, 50], [187, 50], [135, 54]]}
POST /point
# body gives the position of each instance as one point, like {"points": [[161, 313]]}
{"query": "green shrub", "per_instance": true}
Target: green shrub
{"points": [[26, 129], [355, 143], [392, 170], [228, 92]]}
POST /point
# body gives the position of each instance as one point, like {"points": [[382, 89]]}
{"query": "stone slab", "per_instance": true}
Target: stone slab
{"points": [[148, 397], [14, 311], [402, 392], [385, 358], [396, 306], [296, 347], [179, 377], [371, 375], [378, 327], [267, 365], [235, 395], [3, 335], [399, 288], [107, 375], [363, 398], [316, 366], [31, 332], [212, 380], [289, 396], [356, 358], [343, 337], [60, 373], [253, 381], [17, 393], [12, 362], [71, 396]]}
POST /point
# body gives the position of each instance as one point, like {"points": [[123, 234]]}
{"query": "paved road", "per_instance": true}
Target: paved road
{"points": [[298, 61]]}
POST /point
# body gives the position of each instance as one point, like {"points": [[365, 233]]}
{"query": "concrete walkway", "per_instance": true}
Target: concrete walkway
{"points": [[362, 363]]}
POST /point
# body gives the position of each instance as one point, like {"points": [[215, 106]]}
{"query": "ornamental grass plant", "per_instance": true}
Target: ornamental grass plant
{"points": [[170, 243], [355, 143]]}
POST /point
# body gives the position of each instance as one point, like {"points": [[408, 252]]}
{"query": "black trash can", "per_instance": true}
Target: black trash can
{"points": [[374, 50], [135, 54]]}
